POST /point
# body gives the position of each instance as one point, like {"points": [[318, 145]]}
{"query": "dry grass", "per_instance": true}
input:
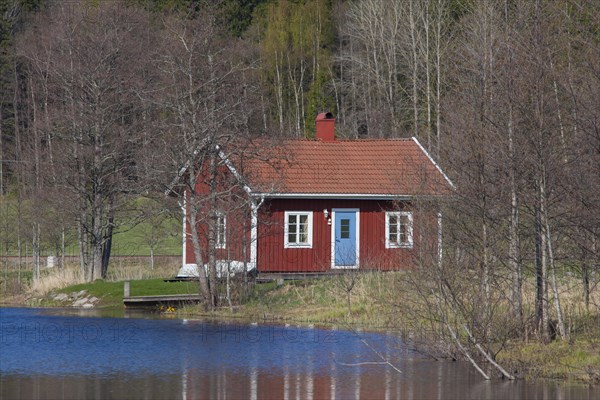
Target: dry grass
{"points": [[136, 268], [58, 278], [52, 279]]}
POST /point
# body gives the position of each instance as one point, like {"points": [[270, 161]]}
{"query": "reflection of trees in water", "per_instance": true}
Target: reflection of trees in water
{"points": [[419, 379], [337, 383]]}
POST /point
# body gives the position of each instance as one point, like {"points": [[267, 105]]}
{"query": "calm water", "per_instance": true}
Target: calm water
{"points": [[71, 357]]}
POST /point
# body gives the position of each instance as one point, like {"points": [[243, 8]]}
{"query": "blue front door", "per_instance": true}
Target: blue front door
{"points": [[345, 239]]}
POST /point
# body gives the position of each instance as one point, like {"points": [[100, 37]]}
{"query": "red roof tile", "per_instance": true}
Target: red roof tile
{"points": [[397, 167]]}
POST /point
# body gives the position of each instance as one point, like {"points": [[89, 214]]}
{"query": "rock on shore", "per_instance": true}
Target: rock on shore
{"points": [[79, 299]]}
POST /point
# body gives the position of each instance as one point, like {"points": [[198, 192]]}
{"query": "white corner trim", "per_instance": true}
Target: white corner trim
{"points": [[184, 233], [433, 162], [253, 232], [439, 220], [223, 244]]}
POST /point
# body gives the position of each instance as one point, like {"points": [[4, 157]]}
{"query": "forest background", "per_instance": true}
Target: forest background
{"points": [[102, 103]]}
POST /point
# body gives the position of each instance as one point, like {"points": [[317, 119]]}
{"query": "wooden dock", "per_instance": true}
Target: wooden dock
{"points": [[166, 300], [175, 300]]}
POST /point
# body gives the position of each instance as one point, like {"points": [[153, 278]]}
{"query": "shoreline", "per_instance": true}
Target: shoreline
{"points": [[372, 307], [514, 358], [244, 320]]}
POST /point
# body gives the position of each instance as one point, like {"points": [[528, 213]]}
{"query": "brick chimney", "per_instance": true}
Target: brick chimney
{"points": [[325, 127]]}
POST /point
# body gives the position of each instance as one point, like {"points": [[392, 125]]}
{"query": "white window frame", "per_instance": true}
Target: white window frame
{"points": [[395, 245], [292, 245], [221, 242]]}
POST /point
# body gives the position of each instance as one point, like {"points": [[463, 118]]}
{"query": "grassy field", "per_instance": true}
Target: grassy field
{"points": [[164, 234], [136, 240], [133, 242]]}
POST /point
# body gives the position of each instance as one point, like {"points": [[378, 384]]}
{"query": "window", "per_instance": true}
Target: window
{"points": [[398, 229], [298, 229], [221, 231], [344, 229]]}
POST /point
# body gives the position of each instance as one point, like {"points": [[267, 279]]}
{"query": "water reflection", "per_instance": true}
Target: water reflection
{"points": [[45, 356], [197, 384]]}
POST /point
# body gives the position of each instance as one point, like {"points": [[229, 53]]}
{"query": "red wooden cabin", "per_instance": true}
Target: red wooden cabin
{"points": [[326, 204]]}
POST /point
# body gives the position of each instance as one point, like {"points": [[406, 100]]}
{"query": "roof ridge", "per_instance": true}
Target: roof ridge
{"points": [[353, 140]]}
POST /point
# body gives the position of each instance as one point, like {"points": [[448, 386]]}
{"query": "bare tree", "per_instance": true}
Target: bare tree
{"points": [[206, 104], [87, 60], [392, 53]]}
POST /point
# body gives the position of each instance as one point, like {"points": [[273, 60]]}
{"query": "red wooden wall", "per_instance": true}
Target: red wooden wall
{"points": [[273, 257], [234, 204], [234, 243]]}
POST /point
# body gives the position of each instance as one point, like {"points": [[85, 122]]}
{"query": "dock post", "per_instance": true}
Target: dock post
{"points": [[126, 290]]}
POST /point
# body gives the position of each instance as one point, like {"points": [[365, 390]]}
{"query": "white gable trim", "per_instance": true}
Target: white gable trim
{"points": [[171, 188], [234, 171], [434, 163], [255, 203]]}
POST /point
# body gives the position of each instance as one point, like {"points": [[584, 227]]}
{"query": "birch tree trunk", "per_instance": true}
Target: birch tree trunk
{"points": [[212, 229], [415, 68], [513, 232], [559, 314], [542, 320], [279, 92], [438, 75], [426, 24], [192, 211]]}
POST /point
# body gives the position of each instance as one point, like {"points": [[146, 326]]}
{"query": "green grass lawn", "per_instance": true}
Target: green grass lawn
{"points": [[135, 241], [132, 242], [128, 240]]}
